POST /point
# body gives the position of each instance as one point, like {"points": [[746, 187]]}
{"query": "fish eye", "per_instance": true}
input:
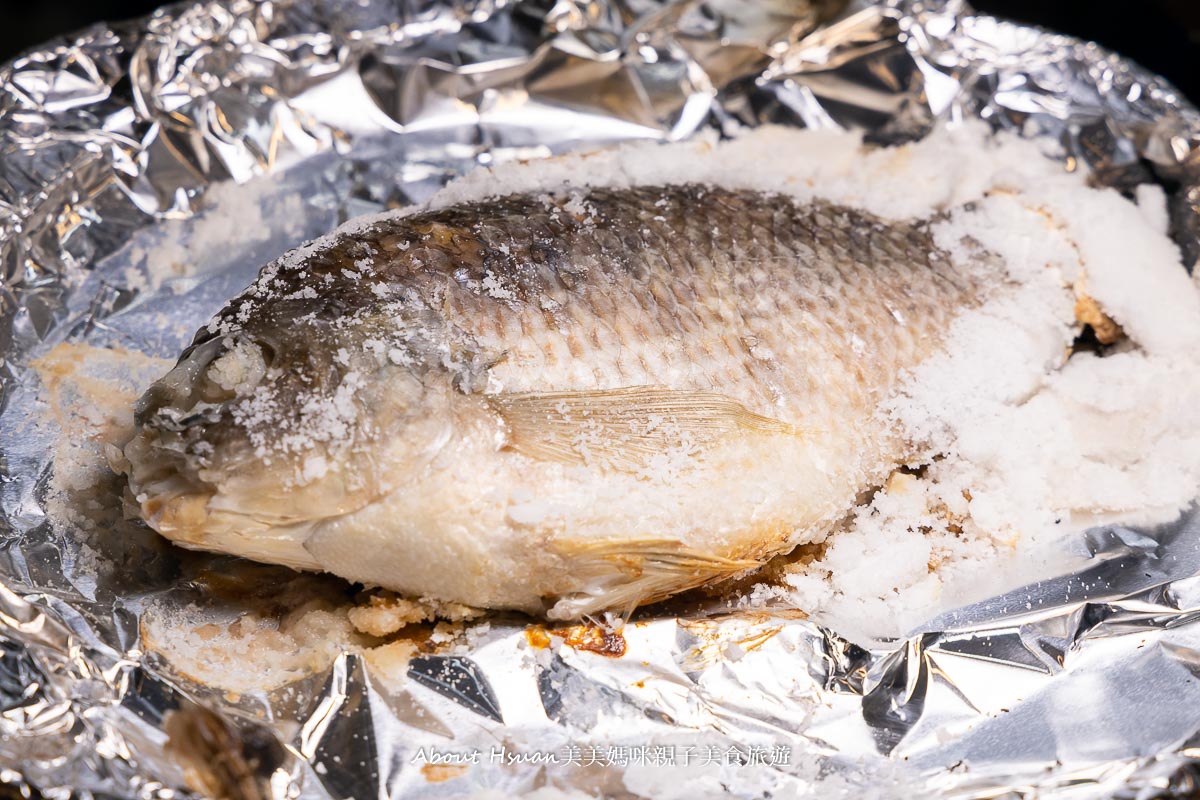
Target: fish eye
{"points": [[268, 350]]}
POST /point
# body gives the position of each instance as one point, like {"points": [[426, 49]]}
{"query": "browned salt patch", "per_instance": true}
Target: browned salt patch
{"points": [[437, 773]]}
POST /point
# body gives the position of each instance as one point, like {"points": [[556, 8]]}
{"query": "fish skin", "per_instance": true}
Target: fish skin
{"points": [[557, 403]]}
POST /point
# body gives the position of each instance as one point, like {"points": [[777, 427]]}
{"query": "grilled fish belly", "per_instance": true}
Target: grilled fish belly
{"points": [[557, 403]]}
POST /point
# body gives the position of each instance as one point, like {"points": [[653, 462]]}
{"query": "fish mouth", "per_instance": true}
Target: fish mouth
{"points": [[165, 485], [189, 511]]}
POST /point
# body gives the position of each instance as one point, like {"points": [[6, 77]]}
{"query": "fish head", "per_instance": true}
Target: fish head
{"points": [[264, 429]]}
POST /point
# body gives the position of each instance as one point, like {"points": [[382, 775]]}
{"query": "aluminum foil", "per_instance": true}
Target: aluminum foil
{"points": [[212, 136]]}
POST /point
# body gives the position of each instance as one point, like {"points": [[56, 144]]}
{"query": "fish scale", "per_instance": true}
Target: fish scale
{"points": [[512, 404]]}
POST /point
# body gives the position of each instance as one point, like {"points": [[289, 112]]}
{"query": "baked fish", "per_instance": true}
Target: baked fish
{"points": [[560, 403]]}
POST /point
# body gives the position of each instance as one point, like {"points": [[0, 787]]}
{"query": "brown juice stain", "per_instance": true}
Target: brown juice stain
{"points": [[436, 773], [592, 638], [537, 637], [758, 639], [595, 639], [419, 636]]}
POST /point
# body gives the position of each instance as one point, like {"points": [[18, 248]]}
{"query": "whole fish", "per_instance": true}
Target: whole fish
{"points": [[561, 403]]}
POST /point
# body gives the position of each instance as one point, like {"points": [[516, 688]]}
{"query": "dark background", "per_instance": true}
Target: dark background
{"points": [[1163, 35]]}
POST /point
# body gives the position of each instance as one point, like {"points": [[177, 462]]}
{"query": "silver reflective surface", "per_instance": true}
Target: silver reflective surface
{"points": [[218, 134]]}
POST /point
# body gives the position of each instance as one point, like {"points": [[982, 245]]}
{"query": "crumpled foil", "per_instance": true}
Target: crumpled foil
{"points": [[121, 139]]}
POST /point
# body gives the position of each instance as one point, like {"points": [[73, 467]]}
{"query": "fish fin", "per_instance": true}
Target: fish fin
{"points": [[621, 574], [624, 428]]}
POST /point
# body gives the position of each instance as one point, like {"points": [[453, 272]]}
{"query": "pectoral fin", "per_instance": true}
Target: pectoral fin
{"points": [[624, 428]]}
